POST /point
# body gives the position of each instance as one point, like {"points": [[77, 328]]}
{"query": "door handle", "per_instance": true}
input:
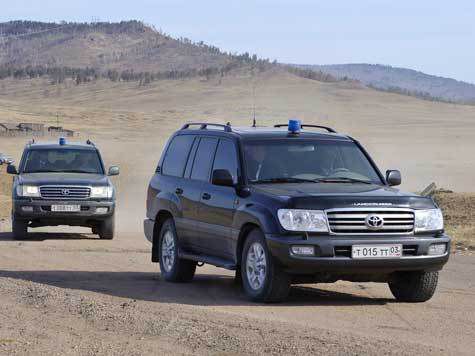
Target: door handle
{"points": [[179, 191], [206, 196]]}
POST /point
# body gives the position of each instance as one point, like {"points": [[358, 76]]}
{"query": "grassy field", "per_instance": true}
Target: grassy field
{"points": [[427, 141]]}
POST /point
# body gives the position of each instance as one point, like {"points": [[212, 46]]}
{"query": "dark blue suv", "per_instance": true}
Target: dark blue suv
{"points": [[289, 204]]}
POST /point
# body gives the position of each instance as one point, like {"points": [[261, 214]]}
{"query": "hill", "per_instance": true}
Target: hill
{"points": [[126, 45], [402, 81]]}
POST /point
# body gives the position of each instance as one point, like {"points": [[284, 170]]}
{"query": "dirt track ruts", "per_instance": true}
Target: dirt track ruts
{"points": [[74, 294]]}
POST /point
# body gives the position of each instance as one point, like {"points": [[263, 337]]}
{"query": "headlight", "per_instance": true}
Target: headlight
{"points": [[29, 191], [102, 192], [428, 220], [303, 220]]}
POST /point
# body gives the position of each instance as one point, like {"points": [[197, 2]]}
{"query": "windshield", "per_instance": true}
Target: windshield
{"points": [[312, 161], [63, 160]]}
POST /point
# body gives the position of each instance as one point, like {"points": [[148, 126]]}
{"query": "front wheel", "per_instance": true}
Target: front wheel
{"points": [[262, 279], [106, 229], [414, 287], [19, 229], [173, 268]]}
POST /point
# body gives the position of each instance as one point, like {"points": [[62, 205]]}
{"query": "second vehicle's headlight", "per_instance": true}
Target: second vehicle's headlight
{"points": [[102, 192], [428, 220], [303, 220], [29, 191]]}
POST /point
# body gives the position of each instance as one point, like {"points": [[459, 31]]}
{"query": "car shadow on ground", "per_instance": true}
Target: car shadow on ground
{"points": [[42, 236], [205, 289]]}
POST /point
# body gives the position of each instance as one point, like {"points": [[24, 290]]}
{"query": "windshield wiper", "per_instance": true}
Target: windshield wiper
{"points": [[78, 171], [57, 171], [344, 180], [285, 180]]}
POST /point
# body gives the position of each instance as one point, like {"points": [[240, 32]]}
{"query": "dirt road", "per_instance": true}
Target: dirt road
{"points": [[73, 294]]}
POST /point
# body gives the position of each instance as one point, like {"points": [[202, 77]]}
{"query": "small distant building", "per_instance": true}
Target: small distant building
{"points": [[54, 129], [29, 126], [60, 130], [9, 129]]}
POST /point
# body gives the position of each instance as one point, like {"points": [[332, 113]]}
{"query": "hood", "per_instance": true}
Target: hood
{"points": [[63, 179], [343, 195]]}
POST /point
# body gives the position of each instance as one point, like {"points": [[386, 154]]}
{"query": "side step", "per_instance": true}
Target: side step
{"points": [[211, 260]]}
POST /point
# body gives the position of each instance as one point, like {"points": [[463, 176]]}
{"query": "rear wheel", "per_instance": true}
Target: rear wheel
{"points": [[262, 279], [19, 229], [414, 287], [173, 268], [106, 229]]}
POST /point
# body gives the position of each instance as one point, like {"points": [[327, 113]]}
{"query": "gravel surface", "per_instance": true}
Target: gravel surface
{"points": [[71, 294]]}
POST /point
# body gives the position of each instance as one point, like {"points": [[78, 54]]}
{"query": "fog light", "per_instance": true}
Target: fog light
{"points": [[27, 208], [303, 250], [437, 249], [102, 210]]}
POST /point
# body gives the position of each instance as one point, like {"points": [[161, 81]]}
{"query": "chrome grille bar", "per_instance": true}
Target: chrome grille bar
{"points": [[65, 192], [352, 221]]}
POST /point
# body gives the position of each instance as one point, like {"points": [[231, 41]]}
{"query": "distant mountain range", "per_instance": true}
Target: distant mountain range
{"points": [[132, 50], [402, 80]]}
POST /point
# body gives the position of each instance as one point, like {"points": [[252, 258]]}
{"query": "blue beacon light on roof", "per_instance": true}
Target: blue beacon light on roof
{"points": [[294, 126], [62, 141]]}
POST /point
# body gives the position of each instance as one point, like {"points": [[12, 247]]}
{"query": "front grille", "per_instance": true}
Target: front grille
{"points": [[353, 221], [65, 192]]}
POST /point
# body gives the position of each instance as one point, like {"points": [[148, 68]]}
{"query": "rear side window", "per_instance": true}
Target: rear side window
{"points": [[177, 155], [226, 158], [204, 159]]}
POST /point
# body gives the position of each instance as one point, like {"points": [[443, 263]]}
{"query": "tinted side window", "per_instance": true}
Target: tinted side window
{"points": [[176, 156], [226, 158], [204, 159]]}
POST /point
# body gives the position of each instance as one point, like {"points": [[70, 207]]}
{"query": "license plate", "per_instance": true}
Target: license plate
{"points": [[66, 208], [376, 251]]}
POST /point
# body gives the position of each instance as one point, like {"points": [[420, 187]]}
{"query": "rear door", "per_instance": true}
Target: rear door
{"points": [[218, 204], [173, 181], [199, 176]]}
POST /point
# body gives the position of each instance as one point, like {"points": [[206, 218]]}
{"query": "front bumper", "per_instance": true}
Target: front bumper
{"points": [[333, 254], [40, 211]]}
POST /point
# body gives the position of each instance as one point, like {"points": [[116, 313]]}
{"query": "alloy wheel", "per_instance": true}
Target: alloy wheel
{"points": [[256, 266], [168, 251]]}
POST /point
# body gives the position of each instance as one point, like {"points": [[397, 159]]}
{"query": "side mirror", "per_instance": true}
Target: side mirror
{"points": [[393, 177], [222, 177], [114, 171], [11, 169]]}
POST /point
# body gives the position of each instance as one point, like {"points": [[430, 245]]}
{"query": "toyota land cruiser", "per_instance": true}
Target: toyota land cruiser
{"points": [[62, 184], [289, 204]]}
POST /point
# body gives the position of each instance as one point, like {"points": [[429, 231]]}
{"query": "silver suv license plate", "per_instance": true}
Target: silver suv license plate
{"points": [[376, 251], [66, 208]]}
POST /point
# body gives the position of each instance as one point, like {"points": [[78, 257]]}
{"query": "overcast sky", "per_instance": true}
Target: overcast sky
{"points": [[437, 37]]}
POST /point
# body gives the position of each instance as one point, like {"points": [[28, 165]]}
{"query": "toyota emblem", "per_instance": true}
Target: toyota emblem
{"points": [[374, 222], [64, 191]]}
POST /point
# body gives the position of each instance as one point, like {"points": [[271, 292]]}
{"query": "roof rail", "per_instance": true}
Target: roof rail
{"points": [[204, 126], [329, 129]]}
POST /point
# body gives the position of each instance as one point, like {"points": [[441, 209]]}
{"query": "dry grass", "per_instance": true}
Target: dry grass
{"points": [[427, 141], [5, 189], [459, 215]]}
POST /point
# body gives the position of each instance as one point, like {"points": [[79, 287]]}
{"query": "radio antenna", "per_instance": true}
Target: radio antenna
{"points": [[253, 83]]}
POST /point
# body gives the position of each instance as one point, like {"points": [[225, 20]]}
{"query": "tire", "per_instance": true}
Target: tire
{"points": [[414, 287], [269, 286], [19, 229], [106, 229], [173, 268]]}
